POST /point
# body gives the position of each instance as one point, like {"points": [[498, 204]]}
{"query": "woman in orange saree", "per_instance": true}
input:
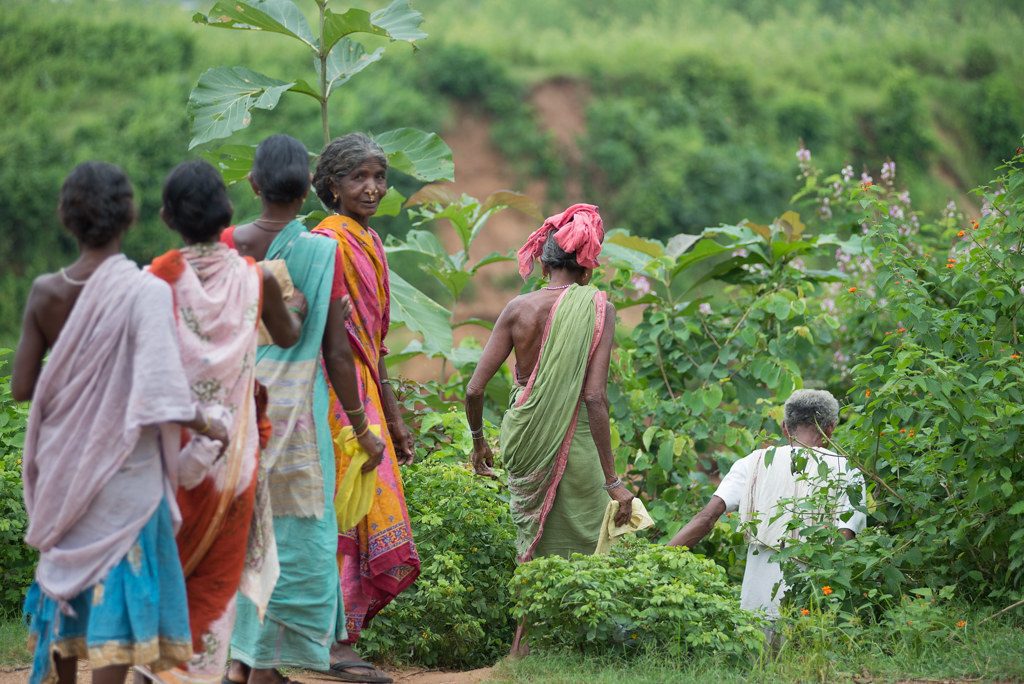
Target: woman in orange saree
{"points": [[377, 558]]}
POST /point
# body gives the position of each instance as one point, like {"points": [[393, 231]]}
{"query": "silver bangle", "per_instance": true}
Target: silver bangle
{"points": [[476, 433], [612, 485]]}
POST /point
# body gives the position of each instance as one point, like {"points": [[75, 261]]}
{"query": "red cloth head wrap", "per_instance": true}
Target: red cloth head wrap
{"points": [[578, 230]]}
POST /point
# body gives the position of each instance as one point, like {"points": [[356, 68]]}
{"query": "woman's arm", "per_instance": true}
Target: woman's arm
{"points": [[497, 349], [595, 397], [283, 320], [341, 371], [28, 357]]}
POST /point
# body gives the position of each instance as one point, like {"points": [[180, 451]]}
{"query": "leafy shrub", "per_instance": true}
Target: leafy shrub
{"points": [[638, 597], [996, 115], [805, 116], [456, 615], [17, 561], [901, 123], [980, 61]]}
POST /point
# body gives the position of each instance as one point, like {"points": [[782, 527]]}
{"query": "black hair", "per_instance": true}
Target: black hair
{"points": [[96, 203], [281, 169], [339, 158], [196, 202], [554, 256]]}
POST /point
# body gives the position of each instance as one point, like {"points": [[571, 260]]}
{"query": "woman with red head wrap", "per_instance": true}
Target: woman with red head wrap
{"points": [[555, 437]]}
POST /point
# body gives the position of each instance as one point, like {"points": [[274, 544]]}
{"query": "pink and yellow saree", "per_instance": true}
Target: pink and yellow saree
{"points": [[377, 558]]}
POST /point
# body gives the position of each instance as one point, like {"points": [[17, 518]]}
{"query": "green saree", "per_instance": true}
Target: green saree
{"points": [[555, 476]]}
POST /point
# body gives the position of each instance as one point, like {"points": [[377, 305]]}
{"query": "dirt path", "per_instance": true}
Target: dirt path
{"points": [[401, 676]]}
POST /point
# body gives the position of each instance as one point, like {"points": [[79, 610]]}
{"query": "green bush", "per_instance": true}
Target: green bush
{"points": [[457, 614], [17, 561], [640, 596], [996, 113]]}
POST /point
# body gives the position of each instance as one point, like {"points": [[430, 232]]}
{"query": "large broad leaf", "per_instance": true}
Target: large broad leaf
{"points": [[509, 199], [345, 61], [277, 16], [220, 103], [397, 21], [651, 248], [421, 314], [424, 156], [391, 203], [233, 161]]}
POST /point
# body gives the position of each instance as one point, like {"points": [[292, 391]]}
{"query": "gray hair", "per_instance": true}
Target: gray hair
{"points": [[554, 256], [340, 157], [811, 408]]}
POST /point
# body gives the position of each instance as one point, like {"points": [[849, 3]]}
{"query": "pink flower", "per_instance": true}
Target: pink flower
{"points": [[847, 173], [803, 155], [705, 309], [641, 284]]}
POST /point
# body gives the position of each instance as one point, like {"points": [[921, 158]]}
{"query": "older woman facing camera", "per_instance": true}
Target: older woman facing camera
{"points": [[377, 556], [555, 436]]}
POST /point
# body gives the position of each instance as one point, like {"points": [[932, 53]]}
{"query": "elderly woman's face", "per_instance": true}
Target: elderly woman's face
{"points": [[359, 193]]}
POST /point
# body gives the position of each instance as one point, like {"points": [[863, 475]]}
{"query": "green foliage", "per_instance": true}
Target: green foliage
{"points": [[900, 124], [456, 615], [17, 560], [995, 109], [701, 379], [591, 604]]}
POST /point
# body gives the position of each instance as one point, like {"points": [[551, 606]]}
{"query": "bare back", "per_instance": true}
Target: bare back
{"points": [[252, 242], [527, 317]]}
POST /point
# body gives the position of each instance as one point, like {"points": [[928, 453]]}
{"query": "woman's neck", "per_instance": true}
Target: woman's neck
{"points": [[562, 278]]}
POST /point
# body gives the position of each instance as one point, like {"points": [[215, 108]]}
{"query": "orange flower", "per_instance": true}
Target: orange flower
{"points": [[1014, 356], [912, 432], [961, 624], [950, 265], [805, 612], [961, 233], [974, 224], [867, 393], [852, 289], [902, 330], [1020, 151], [865, 185], [951, 260], [826, 590], [903, 430]]}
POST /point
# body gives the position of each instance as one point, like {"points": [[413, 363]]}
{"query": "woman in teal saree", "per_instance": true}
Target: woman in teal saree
{"points": [[555, 436]]}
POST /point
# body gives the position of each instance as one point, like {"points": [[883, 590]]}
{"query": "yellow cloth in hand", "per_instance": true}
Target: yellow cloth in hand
{"points": [[355, 493], [612, 533]]}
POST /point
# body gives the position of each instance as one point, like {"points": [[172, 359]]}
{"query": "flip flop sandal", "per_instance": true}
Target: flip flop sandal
{"points": [[338, 671]]}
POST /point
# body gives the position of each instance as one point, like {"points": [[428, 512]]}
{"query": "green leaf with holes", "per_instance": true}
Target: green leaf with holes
{"points": [[222, 101]]}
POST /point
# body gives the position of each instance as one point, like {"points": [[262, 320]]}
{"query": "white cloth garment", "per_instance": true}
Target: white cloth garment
{"points": [[757, 483]]}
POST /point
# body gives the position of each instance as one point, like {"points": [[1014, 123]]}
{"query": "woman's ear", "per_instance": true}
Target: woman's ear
{"points": [[164, 217], [253, 184]]}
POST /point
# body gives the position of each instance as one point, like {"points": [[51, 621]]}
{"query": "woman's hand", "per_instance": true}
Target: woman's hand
{"points": [[297, 304], [345, 306], [625, 499], [483, 461], [404, 447], [374, 447]]}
